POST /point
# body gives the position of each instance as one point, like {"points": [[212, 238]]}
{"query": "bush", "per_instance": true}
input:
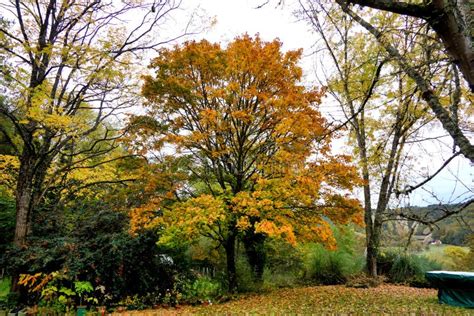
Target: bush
{"points": [[100, 250], [245, 276], [459, 257], [400, 267], [328, 267], [449, 257], [12, 300], [405, 268], [202, 289], [325, 266]]}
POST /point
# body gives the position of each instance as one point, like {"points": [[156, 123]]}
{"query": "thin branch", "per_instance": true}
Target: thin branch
{"points": [[409, 189]]}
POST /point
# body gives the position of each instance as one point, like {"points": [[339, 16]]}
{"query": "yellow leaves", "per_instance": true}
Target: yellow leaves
{"points": [[29, 280], [36, 105], [252, 205], [197, 216], [43, 111], [209, 116], [146, 217], [40, 96], [243, 223], [85, 175], [358, 218], [194, 137], [9, 162], [243, 116], [271, 229], [319, 231], [266, 227], [9, 166], [218, 91]]}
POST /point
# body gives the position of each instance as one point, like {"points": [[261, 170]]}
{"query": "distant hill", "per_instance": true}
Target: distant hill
{"points": [[452, 230]]}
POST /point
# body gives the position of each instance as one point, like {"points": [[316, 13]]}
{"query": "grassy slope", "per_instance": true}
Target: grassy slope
{"points": [[436, 253], [386, 299]]}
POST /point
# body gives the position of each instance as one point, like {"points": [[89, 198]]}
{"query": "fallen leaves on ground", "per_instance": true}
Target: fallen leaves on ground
{"points": [[385, 299]]}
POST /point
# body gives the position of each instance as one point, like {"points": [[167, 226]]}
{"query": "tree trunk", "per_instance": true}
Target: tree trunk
{"points": [[371, 260], [373, 244], [24, 198], [254, 249], [230, 256], [371, 239]]}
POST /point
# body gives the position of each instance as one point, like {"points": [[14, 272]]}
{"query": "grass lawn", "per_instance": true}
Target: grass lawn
{"points": [[386, 299]]}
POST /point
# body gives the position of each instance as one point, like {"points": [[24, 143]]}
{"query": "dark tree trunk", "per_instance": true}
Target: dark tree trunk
{"points": [[371, 259], [24, 198], [28, 194], [371, 237], [230, 256], [254, 249]]}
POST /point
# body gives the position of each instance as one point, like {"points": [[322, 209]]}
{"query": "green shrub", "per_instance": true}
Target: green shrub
{"points": [[449, 257], [325, 266], [202, 289], [458, 256], [405, 268], [7, 225], [4, 289], [100, 250], [12, 300], [401, 267], [330, 267]]}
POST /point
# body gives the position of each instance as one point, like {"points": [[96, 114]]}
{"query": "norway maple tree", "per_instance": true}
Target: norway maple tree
{"points": [[258, 156]]}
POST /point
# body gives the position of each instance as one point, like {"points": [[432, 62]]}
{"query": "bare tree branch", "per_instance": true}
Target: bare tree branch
{"points": [[409, 189], [427, 93]]}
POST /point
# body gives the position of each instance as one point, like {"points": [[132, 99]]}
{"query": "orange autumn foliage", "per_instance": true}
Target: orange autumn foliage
{"points": [[258, 153]]}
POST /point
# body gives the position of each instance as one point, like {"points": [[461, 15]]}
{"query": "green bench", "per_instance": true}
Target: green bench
{"points": [[454, 288]]}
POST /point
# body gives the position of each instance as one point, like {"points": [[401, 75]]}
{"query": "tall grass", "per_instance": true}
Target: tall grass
{"points": [[323, 266], [401, 267]]}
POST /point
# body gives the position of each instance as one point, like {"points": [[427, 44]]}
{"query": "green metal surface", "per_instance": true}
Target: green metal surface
{"points": [[454, 288]]}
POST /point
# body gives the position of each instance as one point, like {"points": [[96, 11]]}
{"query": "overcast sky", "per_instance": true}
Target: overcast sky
{"points": [[236, 17]]}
